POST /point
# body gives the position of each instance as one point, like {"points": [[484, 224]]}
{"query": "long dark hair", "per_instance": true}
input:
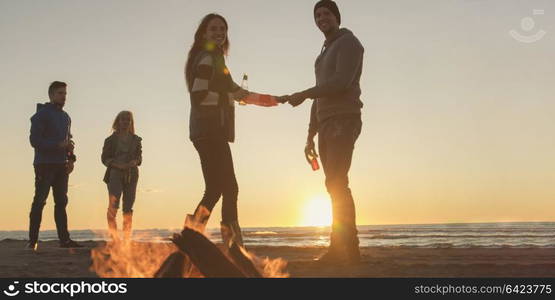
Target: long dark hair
{"points": [[200, 43]]}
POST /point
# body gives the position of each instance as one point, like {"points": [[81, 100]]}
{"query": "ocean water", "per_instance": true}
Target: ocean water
{"points": [[488, 235]]}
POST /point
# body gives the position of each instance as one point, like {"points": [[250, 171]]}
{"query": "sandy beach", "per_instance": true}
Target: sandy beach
{"points": [[50, 261]]}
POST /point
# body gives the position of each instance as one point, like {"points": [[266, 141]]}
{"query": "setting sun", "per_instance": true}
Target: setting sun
{"points": [[317, 211]]}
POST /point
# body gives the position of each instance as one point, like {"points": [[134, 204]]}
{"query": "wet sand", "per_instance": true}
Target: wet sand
{"points": [[50, 261]]}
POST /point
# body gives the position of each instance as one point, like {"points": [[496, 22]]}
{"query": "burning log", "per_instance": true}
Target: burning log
{"points": [[175, 266], [197, 257], [244, 263], [179, 265], [204, 255]]}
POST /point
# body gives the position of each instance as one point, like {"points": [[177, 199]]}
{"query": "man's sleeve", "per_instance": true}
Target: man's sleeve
{"points": [[313, 125], [348, 62], [37, 139], [71, 155]]}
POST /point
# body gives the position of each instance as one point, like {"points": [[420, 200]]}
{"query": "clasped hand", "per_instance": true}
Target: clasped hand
{"points": [[294, 100]]}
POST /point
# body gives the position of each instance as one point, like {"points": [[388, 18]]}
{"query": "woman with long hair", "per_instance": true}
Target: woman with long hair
{"points": [[212, 120], [122, 154]]}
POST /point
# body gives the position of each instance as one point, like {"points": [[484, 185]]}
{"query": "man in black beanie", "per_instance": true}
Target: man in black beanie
{"points": [[331, 6], [336, 117]]}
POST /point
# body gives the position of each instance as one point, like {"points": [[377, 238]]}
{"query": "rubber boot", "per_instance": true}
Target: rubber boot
{"points": [[231, 233]]}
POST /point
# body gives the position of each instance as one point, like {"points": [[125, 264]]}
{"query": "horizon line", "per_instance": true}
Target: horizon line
{"points": [[310, 226]]}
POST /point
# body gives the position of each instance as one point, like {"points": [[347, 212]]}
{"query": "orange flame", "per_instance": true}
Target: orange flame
{"points": [[120, 259], [128, 259], [270, 268]]}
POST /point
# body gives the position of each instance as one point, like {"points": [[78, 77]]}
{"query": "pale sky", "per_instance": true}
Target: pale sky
{"points": [[457, 125]]}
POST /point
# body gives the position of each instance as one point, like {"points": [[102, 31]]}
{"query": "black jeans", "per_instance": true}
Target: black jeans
{"points": [[219, 177], [46, 176], [336, 143]]}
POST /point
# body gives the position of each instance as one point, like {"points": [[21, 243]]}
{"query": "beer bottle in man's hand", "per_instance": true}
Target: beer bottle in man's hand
{"points": [[313, 162]]}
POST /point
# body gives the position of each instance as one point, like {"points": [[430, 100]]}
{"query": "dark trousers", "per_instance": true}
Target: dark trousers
{"points": [[219, 177], [46, 176], [336, 142]]}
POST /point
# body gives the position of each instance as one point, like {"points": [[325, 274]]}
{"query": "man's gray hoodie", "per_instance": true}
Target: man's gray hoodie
{"points": [[338, 69]]}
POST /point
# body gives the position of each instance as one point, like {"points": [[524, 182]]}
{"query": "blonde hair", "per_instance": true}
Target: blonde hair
{"points": [[115, 125]]}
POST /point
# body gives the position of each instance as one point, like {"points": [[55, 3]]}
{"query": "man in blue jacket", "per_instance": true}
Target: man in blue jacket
{"points": [[336, 118], [54, 159]]}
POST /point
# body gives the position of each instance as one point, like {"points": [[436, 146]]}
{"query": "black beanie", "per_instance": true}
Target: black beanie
{"points": [[329, 4]]}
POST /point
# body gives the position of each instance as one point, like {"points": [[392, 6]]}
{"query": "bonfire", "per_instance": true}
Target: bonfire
{"points": [[190, 255]]}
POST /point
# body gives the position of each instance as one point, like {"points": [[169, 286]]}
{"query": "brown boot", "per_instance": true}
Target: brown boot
{"points": [[198, 220], [112, 224], [231, 233], [127, 224], [196, 223]]}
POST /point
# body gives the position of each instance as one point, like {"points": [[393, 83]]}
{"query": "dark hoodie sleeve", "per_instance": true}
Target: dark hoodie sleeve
{"points": [[313, 125], [37, 139], [348, 62], [71, 155]]}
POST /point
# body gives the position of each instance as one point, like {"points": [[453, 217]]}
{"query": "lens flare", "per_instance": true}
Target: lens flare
{"points": [[317, 212]]}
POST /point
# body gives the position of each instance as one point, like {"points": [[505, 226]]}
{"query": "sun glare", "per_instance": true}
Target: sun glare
{"points": [[317, 212]]}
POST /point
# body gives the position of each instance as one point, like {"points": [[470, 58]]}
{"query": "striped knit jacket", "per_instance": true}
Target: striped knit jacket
{"points": [[212, 112]]}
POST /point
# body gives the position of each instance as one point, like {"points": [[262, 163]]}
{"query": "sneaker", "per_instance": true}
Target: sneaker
{"points": [[31, 246], [70, 244]]}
